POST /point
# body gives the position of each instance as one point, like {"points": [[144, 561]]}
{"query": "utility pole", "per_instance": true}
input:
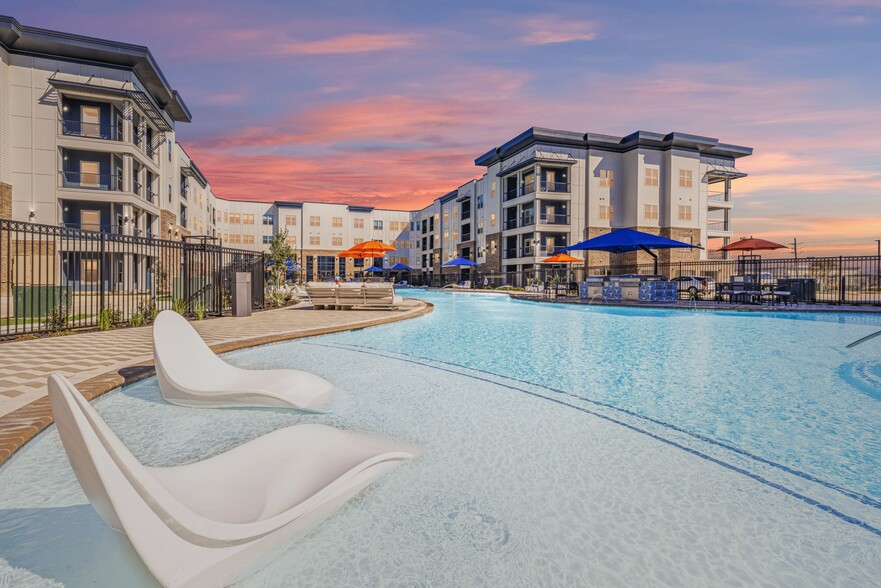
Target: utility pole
{"points": [[795, 247]]}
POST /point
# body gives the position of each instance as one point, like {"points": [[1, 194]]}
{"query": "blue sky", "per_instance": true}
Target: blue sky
{"points": [[388, 103]]}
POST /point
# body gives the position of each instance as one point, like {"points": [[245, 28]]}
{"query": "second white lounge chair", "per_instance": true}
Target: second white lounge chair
{"points": [[190, 374], [208, 523]]}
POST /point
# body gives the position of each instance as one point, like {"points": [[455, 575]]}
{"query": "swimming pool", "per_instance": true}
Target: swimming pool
{"points": [[562, 445]]}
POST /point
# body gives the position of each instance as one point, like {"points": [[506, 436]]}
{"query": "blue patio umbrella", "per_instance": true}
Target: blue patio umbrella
{"points": [[400, 267], [374, 270], [460, 262], [624, 240]]}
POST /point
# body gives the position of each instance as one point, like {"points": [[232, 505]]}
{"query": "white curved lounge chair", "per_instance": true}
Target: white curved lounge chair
{"points": [[205, 523], [190, 374]]}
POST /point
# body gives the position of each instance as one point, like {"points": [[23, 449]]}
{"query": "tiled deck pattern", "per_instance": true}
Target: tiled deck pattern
{"points": [[100, 361]]}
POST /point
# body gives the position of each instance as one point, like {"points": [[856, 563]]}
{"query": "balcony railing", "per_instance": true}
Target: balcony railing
{"points": [[545, 251], [111, 229], [149, 195], [91, 130], [547, 186], [555, 219], [511, 194], [466, 214], [527, 220], [184, 190], [527, 188], [717, 226], [717, 197], [509, 253], [510, 224], [465, 237], [89, 181]]}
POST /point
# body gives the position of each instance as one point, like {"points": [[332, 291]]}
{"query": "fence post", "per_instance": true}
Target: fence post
{"points": [[840, 280], [101, 275]]}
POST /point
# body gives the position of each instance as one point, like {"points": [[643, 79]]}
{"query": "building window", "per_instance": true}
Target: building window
{"points": [[605, 212], [314, 240], [492, 190], [234, 218], [607, 178], [446, 216], [235, 239], [268, 219], [290, 220], [169, 192], [291, 240], [651, 176], [480, 202], [249, 239], [358, 241], [377, 225], [337, 241], [337, 222], [183, 215], [226, 217], [684, 212], [267, 239], [314, 221], [685, 178], [247, 219], [170, 150], [492, 219], [358, 223], [651, 212]]}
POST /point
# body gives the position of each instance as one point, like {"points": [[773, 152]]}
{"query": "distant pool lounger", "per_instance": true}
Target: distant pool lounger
{"points": [[207, 523], [190, 374]]}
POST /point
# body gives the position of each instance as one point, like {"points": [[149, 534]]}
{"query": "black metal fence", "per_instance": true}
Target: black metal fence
{"points": [[829, 280], [57, 278]]}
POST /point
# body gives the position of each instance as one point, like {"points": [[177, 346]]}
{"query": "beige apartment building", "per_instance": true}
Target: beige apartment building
{"points": [[88, 141]]}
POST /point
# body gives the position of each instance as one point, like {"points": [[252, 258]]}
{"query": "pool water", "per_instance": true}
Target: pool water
{"points": [[562, 445]]}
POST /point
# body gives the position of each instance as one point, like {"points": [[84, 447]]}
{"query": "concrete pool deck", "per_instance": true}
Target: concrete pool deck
{"points": [[98, 362]]}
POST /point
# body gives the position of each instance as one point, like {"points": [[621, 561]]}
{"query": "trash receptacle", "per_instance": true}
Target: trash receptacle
{"points": [[241, 294]]}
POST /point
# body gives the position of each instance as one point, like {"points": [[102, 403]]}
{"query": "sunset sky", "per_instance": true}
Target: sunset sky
{"points": [[388, 103]]}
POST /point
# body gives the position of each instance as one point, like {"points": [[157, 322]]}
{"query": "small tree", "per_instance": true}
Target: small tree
{"points": [[279, 252]]}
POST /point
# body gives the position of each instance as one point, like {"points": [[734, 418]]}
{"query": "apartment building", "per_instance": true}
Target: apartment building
{"points": [[546, 189], [88, 140]]}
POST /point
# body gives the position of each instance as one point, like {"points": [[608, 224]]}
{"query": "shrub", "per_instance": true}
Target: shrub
{"points": [[107, 318], [136, 320], [179, 305], [147, 310], [58, 317], [199, 309], [277, 297]]}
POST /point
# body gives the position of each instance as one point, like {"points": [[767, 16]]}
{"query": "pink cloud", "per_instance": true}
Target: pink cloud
{"points": [[354, 43]]}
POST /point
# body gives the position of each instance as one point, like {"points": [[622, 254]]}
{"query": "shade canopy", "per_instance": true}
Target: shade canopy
{"points": [[374, 270], [460, 261], [752, 244], [401, 267], [561, 258], [625, 240]]}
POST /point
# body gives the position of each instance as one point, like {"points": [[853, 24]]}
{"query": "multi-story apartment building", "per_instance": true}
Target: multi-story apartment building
{"points": [[87, 140]]}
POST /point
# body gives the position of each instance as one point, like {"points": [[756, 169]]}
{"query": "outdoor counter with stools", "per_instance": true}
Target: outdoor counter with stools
{"points": [[636, 288]]}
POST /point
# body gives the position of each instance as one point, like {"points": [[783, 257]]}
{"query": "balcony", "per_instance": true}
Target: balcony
{"points": [[184, 190], [465, 237], [510, 224], [149, 195], [466, 214], [527, 188], [511, 194], [555, 219], [559, 187], [75, 128], [90, 181], [510, 253], [717, 225]]}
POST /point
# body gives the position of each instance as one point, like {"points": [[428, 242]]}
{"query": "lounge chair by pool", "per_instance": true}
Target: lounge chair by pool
{"points": [[207, 523], [190, 374]]}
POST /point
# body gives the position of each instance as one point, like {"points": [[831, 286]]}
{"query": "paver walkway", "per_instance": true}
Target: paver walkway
{"points": [[108, 359]]}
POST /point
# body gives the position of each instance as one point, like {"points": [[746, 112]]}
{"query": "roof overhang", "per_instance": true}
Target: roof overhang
{"points": [[719, 173], [191, 171], [539, 159], [448, 196], [18, 38], [639, 139], [147, 105]]}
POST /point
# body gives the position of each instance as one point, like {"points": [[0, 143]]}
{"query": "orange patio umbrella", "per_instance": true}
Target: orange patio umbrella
{"points": [[561, 258], [360, 254], [372, 247]]}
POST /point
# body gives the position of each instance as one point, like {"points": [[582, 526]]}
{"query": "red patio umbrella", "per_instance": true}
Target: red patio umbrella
{"points": [[751, 244]]}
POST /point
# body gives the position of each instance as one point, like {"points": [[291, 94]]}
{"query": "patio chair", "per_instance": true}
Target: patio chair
{"points": [[322, 295], [381, 296], [206, 523], [190, 374]]}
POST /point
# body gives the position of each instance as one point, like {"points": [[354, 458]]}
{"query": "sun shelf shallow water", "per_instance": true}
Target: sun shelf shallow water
{"points": [[561, 446]]}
